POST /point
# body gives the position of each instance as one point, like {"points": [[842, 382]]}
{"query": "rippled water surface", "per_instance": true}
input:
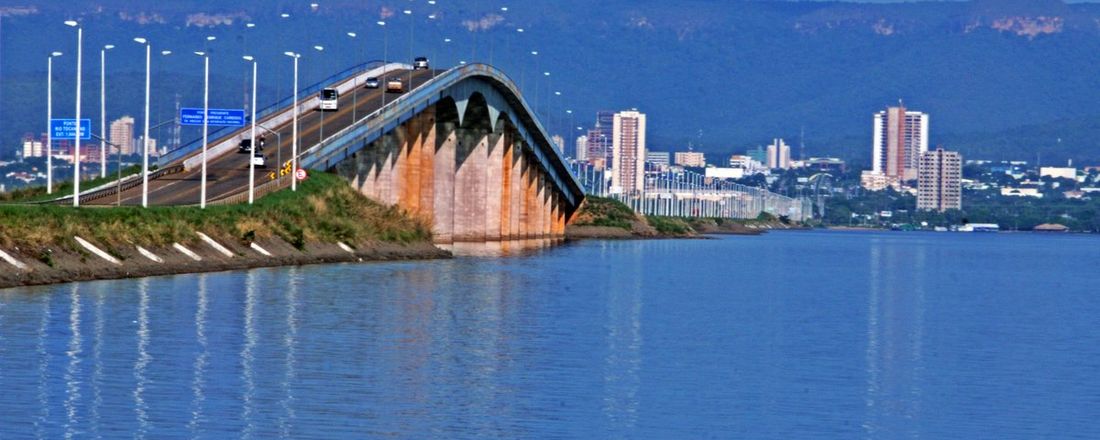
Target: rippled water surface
{"points": [[790, 335]]}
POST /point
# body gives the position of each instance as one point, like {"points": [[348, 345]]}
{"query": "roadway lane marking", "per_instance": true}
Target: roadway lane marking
{"points": [[93, 249], [261, 250], [12, 261], [345, 247], [151, 256], [187, 252], [217, 246]]}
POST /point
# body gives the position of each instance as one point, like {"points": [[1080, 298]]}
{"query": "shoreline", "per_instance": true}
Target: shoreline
{"points": [[64, 267]]}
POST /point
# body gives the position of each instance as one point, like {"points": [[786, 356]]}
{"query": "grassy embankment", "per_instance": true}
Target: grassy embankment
{"points": [[324, 209], [608, 218]]}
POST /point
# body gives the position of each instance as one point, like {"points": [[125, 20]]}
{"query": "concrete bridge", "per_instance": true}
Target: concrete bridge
{"points": [[460, 149]]}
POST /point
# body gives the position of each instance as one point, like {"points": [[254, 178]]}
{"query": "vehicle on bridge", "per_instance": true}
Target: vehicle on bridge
{"points": [[420, 63], [373, 83], [258, 160], [395, 85], [330, 99], [245, 146]]}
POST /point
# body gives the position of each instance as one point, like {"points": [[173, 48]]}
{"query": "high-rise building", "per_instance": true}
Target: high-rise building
{"points": [[581, 148], [122, 134], [559, 142], [599, 138], [939, 181], [779, 155], [32, 147], [692, 159], [900, 137], [628, 152]]}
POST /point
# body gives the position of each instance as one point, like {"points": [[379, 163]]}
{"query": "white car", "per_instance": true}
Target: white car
{"points": [[420, 63], [258, 160]]}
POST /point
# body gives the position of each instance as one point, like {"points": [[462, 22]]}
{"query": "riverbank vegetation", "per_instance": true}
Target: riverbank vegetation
{"points": [[608, 218], [324, 209]]}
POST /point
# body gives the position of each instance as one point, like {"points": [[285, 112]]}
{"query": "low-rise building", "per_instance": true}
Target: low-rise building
{"points": [[1021, 192], [1058, 172], [659, 158], [690, 159], [873, 181], [725, 173]]}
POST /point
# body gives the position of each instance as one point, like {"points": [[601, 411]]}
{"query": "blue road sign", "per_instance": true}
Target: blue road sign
{"points": [[65, 129], [217, 117]]}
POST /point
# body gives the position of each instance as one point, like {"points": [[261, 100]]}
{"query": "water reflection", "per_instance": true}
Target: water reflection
{"points": [[624, 344], [251, 338], [43, 371], [72, 372], [97, 361], [290, 345], [895, 333], [141, 381], [198, 376]]}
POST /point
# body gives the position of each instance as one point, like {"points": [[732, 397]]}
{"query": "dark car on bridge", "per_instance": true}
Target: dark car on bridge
{"points": [[245, 146]]}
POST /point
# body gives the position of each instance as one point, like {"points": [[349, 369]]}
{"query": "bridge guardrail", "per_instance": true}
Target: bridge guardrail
{"points": [[194, 145]]}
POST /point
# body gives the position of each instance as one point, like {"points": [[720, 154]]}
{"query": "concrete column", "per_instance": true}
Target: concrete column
{"points": [[444, 183], [527, 207], [494, 181], [470, 195], [506, 195], [515, 201], [427, 165], [410, 169]]}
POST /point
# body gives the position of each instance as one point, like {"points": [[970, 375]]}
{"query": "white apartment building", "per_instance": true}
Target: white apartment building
{"points": [[628, 151]]}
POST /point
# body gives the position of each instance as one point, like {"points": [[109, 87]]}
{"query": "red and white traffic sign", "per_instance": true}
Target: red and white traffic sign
{"points": [[300, 174]]}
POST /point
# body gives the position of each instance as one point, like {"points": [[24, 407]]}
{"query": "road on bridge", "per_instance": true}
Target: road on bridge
{"points": [[227, 174]]}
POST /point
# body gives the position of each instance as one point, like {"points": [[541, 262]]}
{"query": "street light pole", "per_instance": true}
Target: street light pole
{"points": [[103, 108], [294, 130], [412, 56], [355, 86], [49, 122], [205, 121], [255, 147], [322, 133], [145, 136], [385, 55], [76, 140]]}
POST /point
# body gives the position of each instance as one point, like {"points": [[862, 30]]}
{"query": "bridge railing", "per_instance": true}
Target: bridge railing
{"points": [[196, 144]]}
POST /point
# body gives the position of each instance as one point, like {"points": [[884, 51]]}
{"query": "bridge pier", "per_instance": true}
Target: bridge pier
{"points": [[471, 181]]}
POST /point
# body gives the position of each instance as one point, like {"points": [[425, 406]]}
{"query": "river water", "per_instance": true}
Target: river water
{"points": [[790, 335]]}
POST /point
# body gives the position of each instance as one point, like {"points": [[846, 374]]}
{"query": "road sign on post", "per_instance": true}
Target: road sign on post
{"points": [[217, 117], [65, 129], [300, 175]]}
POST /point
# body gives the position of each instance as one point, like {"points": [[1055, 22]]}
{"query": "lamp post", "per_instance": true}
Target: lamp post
{"points": [[294, 130], [355, 86], [385, 55], [145, 136], [205, 121], [103, 108], [322, 133], [412, 30], [252, 136], [49, 121], [76, 140]]}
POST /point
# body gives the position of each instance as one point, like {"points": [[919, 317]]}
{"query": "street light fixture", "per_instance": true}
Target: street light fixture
{"points": [[49, 121], [294, 133], [255, 148], [145, 137], [76, 137]]}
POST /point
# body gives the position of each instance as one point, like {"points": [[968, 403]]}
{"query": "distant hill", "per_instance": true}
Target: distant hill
{"points": [[1001, 78]]}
